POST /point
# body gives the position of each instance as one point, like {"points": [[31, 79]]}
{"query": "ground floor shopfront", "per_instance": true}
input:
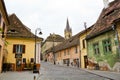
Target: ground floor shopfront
{"points": [[19, 65], [69, 62]]}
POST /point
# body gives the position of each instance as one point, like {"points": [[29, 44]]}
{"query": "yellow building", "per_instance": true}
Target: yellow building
{"points": [[4, 22], [83, 47], [21, 46]]}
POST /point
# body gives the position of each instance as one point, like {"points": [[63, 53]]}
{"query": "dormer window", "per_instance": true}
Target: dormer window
{"points": [[12, 31]]}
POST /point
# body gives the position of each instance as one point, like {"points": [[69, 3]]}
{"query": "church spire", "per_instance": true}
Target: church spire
{"points": [[68, 30], [67, 25]]}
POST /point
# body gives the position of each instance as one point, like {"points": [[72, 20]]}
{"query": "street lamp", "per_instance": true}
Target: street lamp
{"points": [[53, 38], [35, 67]]}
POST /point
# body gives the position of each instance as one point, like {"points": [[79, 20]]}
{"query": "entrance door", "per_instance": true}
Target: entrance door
{"points": [[18, 64], [85, 61]]}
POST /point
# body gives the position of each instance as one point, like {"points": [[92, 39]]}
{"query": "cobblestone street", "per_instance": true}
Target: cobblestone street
{"points": [[56, 72], [27, 75], [52, 72]]}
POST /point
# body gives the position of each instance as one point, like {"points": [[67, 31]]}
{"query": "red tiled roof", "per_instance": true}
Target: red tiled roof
{"points": [[73, 41], [57, 38], [106, 19], [18, 30]]}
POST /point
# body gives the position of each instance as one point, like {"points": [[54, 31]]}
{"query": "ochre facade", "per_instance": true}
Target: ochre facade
{"points": [[28, 55]]}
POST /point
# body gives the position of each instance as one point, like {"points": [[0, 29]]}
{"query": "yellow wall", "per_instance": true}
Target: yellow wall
{"points": [[83, 50], [2, 40], [29, 49]]}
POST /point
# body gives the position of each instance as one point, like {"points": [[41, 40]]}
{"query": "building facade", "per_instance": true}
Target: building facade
{"points": [[68, 52], [21, 46], [4, 23], [101, 42], [51, 41], [83, 47]]}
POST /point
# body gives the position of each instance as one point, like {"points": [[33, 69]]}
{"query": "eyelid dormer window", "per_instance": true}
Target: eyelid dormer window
{"points": [[12, 31]]}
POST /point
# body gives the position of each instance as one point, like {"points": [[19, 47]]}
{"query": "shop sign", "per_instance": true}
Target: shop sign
{"points": [[18, 55]]}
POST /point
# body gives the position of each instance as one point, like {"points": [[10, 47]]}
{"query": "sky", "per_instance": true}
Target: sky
{"points": [[51, 15]]}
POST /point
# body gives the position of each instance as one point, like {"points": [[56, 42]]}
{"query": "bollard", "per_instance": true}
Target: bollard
{"points": [[34, 77]]}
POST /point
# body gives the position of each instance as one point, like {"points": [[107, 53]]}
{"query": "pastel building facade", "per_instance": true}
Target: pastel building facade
{"points": [[4, 23], [21, 46]]}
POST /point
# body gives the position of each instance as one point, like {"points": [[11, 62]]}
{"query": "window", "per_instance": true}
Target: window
{"points": [[68, 52], [83, 43], [60, 54], [107, 46], [18, 48], [3, 26], [64, 52], [3, 31], [32, 60], [76, 49], [0, 18], [24, 60], [96, 48]]}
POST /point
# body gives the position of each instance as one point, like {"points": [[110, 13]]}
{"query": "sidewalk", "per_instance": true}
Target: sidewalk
{"points": [[107, 74], [23, 75]]}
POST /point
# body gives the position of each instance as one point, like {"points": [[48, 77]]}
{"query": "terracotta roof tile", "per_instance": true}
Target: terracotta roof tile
{"points": [[73, 41], [106, 18], [18, 30], [57, 38]]}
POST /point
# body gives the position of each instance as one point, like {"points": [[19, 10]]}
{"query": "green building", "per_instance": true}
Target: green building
{"points": [[103, 40]]}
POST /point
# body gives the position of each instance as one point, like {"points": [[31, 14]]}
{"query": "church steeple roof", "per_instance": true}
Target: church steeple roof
{"points": [[68, 26], [68, 30]]}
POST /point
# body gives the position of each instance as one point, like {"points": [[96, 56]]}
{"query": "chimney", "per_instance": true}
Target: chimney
{"points": [[106, 3]]}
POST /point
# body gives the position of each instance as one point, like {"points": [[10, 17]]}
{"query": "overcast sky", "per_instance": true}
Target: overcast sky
{"points": [[51, 15]]}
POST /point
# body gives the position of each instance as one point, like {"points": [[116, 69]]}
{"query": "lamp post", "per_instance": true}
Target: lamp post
{"points": [[53, 38], [35, 67]]}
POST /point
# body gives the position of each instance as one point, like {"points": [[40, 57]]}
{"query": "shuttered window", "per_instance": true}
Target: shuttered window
{"points": [[18, 48]]}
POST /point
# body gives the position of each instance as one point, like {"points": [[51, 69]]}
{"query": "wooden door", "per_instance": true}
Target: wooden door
{"points": [[85, 61], [18, 64]]}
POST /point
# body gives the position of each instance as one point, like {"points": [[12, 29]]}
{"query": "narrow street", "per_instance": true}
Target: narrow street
{"points": [[56, 72], [49, 71]]}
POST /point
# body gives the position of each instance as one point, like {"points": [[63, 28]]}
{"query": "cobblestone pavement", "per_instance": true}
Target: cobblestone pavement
{"points": [[52, 72], [55, 72], [26, 75]]}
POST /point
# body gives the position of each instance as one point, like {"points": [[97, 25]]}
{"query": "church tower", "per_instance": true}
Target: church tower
{"points": [[67, 31]]}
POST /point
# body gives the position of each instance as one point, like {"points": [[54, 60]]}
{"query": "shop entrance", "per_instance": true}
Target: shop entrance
{"points": [[18, 64]]}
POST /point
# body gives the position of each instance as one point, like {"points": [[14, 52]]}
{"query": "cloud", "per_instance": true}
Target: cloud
{"points": [[52, 14]]}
